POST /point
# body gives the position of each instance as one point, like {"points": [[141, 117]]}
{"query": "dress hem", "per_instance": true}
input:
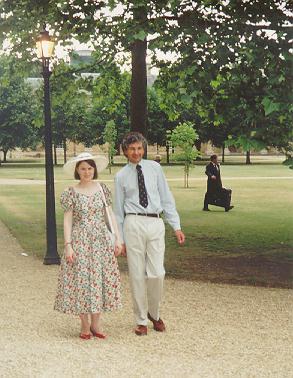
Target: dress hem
{"points": [[105, 309]]}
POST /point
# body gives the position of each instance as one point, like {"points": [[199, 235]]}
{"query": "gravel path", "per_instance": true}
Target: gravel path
{"points": [[212, 330]]}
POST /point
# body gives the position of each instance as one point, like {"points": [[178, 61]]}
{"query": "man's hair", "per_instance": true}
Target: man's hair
{"points": [[91, 163], [214, 157], [133, 137]]}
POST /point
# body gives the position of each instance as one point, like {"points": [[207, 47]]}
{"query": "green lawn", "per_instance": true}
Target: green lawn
{"points": [[260, 225]]}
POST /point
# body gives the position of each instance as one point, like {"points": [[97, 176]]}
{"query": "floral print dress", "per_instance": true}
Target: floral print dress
{"points": [[91, 283]]}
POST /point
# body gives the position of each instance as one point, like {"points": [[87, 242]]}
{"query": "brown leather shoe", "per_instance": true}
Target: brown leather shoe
{"points": [[158, 324], [141, 330]]}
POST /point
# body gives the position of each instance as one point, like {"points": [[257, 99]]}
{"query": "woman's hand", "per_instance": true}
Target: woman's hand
{"points": [[69, 254], [117, 249], [123, 250]]}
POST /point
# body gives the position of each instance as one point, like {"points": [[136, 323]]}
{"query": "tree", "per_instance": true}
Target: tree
{"points": [[65, 93], [17, 109], [200, 33], [243, 91], [246, 144], [81, 107], [109, 137], [158, 122], [111, 100], [184, 136], [262, 114], [69, 105]]}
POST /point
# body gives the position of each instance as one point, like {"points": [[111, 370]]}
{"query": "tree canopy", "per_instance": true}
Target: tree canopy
{"points": [[230, 67], [17, 109]]}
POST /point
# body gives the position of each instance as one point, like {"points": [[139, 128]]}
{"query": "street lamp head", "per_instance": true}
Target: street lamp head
{"points": [[45, 45]]}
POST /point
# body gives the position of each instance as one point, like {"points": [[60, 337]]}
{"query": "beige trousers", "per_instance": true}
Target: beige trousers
{"points": [[145, 246]]}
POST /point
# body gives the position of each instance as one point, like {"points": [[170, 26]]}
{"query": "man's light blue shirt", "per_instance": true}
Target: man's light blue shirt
{"points": [[160, 198]]}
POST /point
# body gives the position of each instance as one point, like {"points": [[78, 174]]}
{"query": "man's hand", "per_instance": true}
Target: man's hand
{"points": [[180, 237], [123, 250], [213, 177]]}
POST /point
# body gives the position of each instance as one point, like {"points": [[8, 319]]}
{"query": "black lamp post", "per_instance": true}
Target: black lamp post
{"points": [[45, 47]]}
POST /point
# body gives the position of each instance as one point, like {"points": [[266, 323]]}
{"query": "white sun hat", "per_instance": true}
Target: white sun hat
{"points": [[101, 162]]}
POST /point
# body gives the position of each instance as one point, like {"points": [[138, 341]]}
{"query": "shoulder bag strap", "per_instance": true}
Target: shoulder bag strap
{"points": [[109, 218]]}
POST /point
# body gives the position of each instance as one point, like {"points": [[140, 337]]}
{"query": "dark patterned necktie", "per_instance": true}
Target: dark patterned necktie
{"points": [[143, 197]]}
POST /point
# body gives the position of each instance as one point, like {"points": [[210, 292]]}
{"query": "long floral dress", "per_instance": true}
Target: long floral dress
{"points": [[91, 283]]}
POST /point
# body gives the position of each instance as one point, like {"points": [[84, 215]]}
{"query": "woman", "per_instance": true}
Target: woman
{"points": [[89, 280]]}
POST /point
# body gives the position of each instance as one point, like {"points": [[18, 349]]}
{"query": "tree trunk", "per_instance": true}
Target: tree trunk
{"points": [[64, 151], [167, 154], [55, 154], [5, 156], [223, 153], [248, 161], [138, 102], [187, 175]]}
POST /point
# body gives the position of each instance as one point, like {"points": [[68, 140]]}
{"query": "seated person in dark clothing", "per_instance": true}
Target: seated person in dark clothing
{"points": [[216, 194]]}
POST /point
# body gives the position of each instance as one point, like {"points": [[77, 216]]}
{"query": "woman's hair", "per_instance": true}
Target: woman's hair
{"points": [[91, 163], [133, 137]]}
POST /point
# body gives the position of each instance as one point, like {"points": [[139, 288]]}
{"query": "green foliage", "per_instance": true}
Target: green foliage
{"points": [[157, 118], [239, 98], [289, 162], [17, 109], [270, 106], [67, 95], [110, 101], [232, 69], [82, 107], [231, 82], [246, 143], [184, 137]]}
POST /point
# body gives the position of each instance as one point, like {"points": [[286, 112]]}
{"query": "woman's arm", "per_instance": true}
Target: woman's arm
{"points": [[67, 225], [118, 241]]}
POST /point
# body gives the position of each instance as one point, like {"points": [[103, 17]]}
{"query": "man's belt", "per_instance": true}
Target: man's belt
{"points": [[145, 215]]}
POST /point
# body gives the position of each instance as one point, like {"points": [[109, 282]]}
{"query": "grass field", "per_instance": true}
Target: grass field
{"points": [[252, 244]]}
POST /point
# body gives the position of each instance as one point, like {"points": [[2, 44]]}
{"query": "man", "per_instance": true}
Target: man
{"points": [[216, 194], [141, 195]]}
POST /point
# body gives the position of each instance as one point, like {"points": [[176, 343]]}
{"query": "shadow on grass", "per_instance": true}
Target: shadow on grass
{"points": [[239, 270]]}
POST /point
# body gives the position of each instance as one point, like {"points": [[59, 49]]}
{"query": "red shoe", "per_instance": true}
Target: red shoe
{"points": [[159, 325], [141, 330], [97, 334], [85, 336]]}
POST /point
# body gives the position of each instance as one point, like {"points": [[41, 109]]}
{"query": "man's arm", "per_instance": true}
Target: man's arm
{"points": [[169, 207], [209, 172]]}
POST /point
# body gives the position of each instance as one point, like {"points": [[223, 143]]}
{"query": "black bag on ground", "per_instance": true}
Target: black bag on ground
{"points": [[221, 198]]}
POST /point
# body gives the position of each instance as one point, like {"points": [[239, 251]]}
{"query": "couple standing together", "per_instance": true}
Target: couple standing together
{"points": [[89, 279]]}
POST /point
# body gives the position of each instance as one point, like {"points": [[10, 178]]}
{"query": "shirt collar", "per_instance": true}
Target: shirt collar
{"points": [[133, 165]]}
